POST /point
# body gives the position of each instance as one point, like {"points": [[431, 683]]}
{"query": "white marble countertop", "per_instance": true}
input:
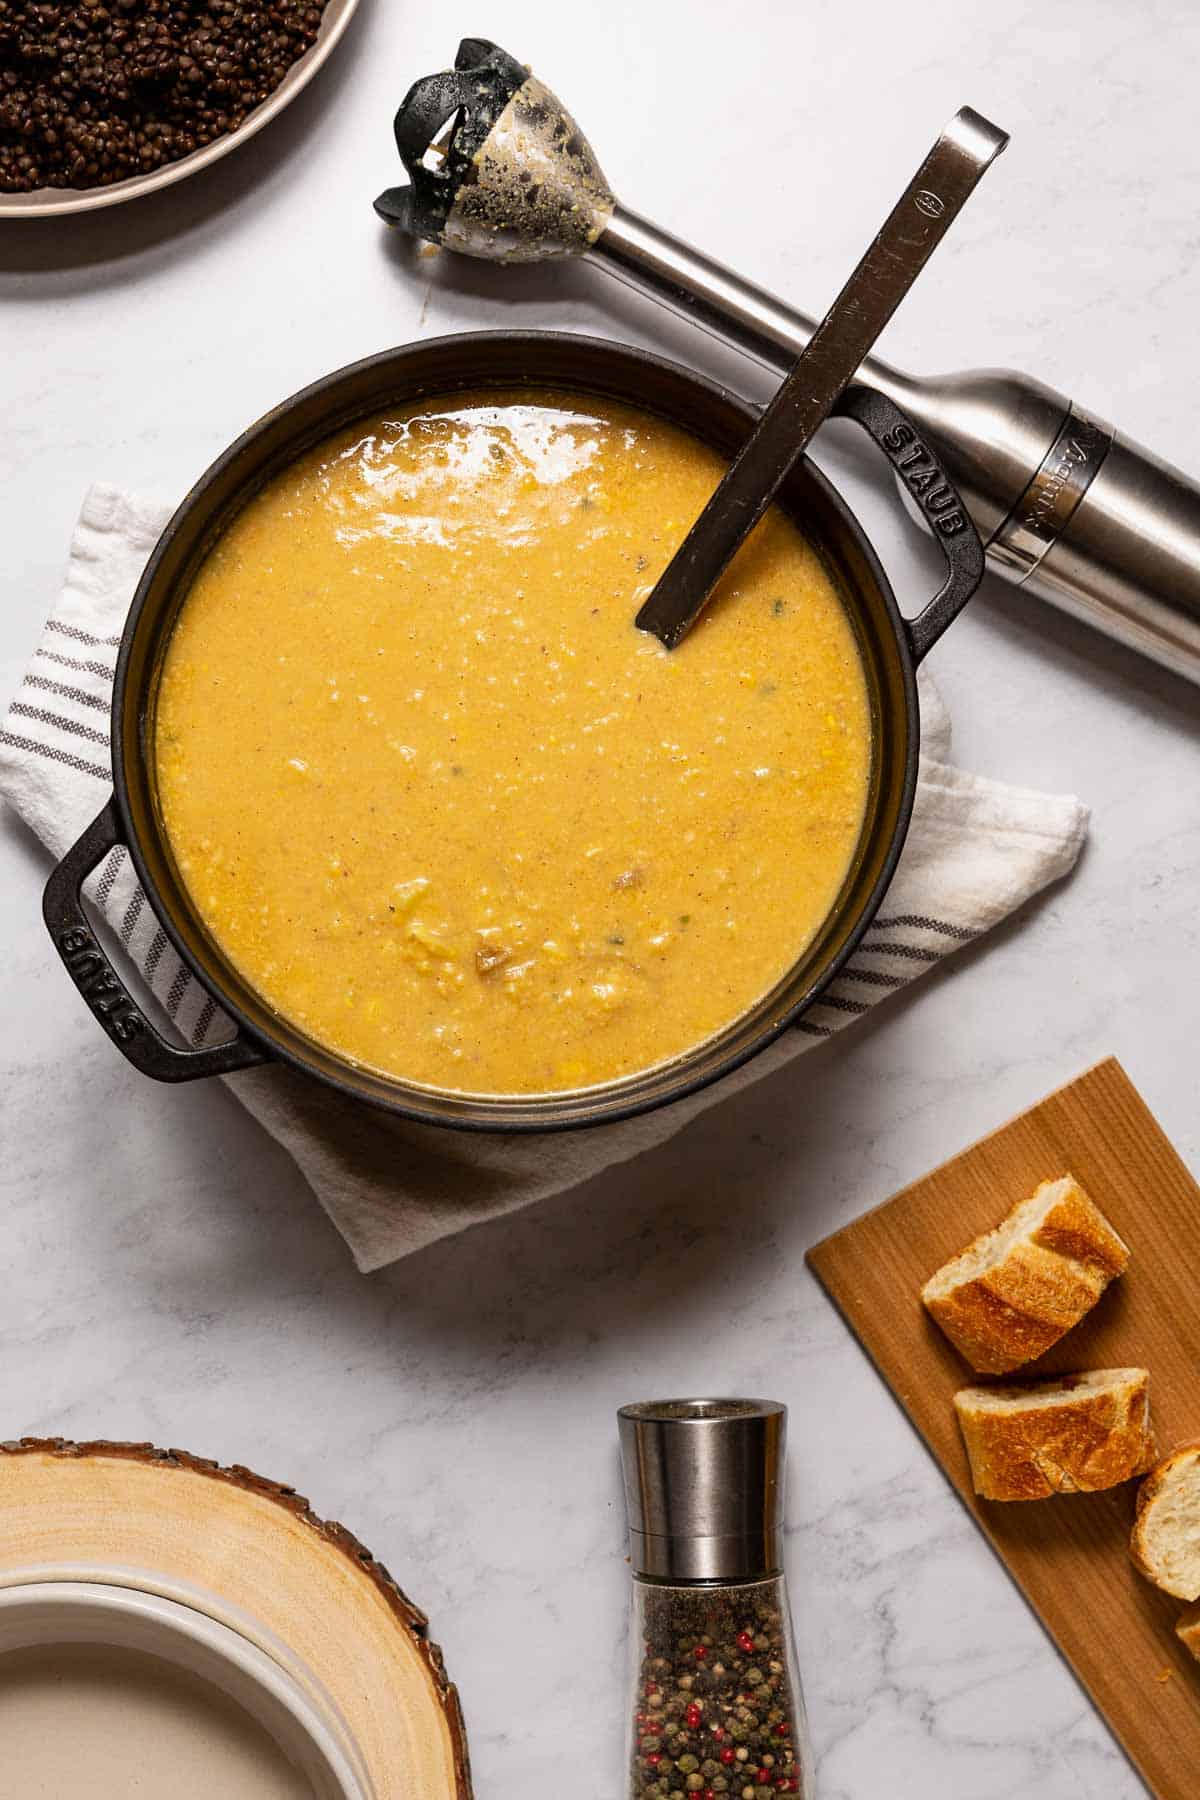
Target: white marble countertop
{"points": [[167, 1273]]}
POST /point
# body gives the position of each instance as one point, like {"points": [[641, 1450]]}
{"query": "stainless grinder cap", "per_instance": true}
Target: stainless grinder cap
{"points": [[704, 1488]]}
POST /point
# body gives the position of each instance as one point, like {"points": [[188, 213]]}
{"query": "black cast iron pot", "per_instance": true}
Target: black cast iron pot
{"points": [[891, 648]]}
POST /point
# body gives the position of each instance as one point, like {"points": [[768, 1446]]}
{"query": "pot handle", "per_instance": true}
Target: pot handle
{"points": [[93, 974], [927, 481]]}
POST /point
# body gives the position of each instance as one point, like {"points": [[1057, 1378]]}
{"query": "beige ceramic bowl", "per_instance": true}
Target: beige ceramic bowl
{"points": [[43, 202], [64, 1615]]}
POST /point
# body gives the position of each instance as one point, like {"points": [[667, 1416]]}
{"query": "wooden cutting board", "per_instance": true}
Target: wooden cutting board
{"points": [[1068, 1554]]}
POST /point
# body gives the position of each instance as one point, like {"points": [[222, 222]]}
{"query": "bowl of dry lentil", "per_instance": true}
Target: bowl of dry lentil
{"points": [[103, 100]]}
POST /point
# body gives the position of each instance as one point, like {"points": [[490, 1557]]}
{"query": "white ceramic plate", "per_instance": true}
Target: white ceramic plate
{"points": [[42, 202], [52, 1614]]}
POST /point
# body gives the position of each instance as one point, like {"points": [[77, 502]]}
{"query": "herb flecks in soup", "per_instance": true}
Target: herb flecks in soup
{"points": [[440, 801]]}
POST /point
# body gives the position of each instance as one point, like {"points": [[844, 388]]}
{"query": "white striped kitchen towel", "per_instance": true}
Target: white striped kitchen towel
{"points": [[976, 851]]}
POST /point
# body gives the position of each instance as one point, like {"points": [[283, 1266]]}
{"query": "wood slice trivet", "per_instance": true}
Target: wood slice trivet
{"points": [[258, 1546], [1070, 1554]]}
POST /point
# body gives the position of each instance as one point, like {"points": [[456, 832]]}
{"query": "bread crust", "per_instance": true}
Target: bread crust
{"points": [[1045, 1283], [1090, 1432], [1188, 1629], [1150, 1493]]}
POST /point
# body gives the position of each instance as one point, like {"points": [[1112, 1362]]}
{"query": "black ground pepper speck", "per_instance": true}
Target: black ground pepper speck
{"points": [[94, 93]]}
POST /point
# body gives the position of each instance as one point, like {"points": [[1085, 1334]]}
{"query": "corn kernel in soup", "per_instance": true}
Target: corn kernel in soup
{"points": [[444, 806]]}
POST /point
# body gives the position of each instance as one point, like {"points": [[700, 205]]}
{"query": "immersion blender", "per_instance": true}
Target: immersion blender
{"points": [[1067, 508]]}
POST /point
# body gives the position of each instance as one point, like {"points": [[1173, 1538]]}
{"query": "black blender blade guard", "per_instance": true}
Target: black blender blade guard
{"points": [[511, 179]]}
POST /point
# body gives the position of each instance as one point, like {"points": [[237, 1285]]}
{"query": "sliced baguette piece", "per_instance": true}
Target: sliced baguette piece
{"points": [[1018, 1289], [1165, 1543], [1072, 1435], [1188, 1629]]}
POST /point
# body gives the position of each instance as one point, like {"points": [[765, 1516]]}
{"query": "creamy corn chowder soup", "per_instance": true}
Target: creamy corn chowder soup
{"points": [[444, 806]]}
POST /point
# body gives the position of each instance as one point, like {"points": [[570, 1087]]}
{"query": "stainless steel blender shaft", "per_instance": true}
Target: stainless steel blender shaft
{"points": [[1076, 514]]}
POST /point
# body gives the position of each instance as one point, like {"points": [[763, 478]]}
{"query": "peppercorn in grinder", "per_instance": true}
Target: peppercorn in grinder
{"points": [[715, 1703], [1067, 509]]}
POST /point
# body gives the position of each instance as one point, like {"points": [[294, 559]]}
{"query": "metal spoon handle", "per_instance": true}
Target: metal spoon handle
{"points": [[910, 234]]}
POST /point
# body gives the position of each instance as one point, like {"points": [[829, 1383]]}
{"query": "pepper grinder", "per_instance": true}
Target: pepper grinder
{"points": [[715, 1708]]}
